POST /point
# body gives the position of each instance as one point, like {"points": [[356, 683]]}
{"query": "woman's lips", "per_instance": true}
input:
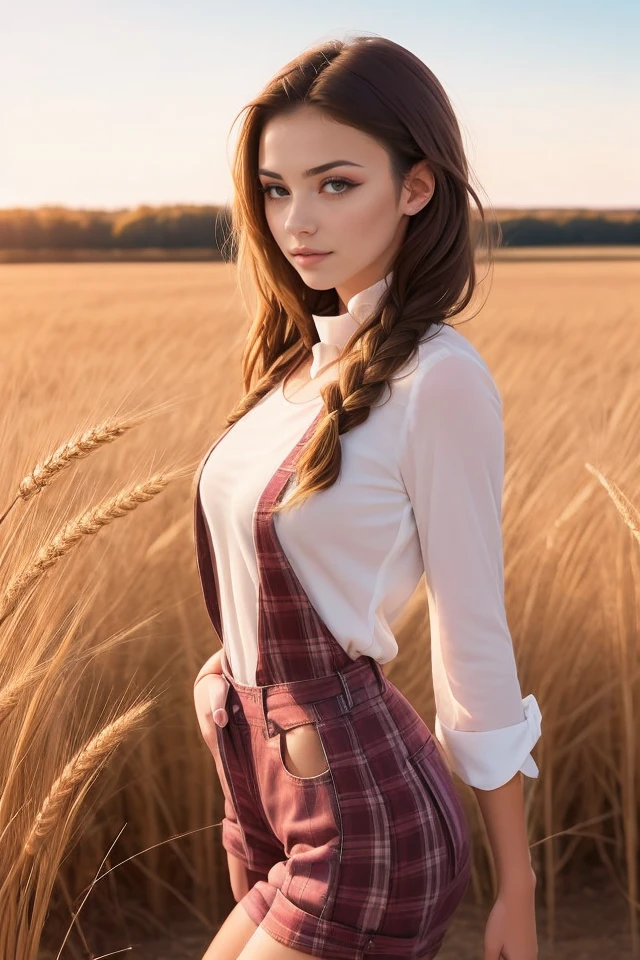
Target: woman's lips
{"points": [[308, 259]]}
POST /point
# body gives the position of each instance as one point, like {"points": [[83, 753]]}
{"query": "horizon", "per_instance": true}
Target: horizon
{"points": [[160, 205]]}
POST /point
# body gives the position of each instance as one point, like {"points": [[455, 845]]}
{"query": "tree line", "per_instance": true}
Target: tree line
{"points": [[208, 227]]}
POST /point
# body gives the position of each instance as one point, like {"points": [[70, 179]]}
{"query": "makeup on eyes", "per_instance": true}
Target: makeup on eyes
{"points": [[275, 186]]}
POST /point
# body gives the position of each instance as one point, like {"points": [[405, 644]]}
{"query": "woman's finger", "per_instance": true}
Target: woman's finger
{"points": [[217, 688]]}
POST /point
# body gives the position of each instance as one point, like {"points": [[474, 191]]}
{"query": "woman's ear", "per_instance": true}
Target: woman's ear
{"points": [[419, 187]]}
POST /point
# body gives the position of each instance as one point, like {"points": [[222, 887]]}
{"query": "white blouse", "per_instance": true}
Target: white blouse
{"points": [[419, 492]]}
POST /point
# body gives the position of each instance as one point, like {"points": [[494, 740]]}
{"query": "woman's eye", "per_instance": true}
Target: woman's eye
{"points": [[346, 183], [275, 186], [270, 186]]}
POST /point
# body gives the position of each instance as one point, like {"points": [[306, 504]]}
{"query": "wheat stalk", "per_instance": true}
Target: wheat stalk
{"points": [[167, 537], [80, 771], [72, 533], [12, 693], [624, 506], [43, 473]]}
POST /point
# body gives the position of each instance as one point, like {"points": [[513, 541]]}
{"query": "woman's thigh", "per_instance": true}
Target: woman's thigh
{"points": [[262, 946], [238, 927], [233, 935]]}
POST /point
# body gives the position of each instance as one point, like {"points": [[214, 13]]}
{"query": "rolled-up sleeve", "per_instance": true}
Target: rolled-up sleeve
{"points": [[452, 464]]}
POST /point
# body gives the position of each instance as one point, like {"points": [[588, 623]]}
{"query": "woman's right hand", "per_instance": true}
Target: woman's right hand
{"points": [[210, 695]]}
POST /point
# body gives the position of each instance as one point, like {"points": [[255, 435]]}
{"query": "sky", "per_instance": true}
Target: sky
{"points": [[117, 104]]}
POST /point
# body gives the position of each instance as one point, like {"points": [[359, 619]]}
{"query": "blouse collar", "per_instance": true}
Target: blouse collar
{"points": [[334, 331]]}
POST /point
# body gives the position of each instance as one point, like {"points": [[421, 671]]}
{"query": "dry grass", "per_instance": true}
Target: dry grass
{"points": [[32, 697], [121, 612]]}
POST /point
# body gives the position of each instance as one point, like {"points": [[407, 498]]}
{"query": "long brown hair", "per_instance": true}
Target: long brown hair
{"points": [[381, 88]]}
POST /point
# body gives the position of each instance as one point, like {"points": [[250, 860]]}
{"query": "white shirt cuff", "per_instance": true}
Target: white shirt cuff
{"points": [[490, 758]]}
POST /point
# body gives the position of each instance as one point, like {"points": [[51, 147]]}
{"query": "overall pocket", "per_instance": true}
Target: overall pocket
{"points": [[297, 792], [302, 754], [436, 779]]}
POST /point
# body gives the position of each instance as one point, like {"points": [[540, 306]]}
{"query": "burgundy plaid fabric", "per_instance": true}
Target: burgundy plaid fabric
{"points": [[370, 858]]}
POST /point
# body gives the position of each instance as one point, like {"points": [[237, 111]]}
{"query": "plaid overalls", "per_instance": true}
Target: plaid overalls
{"points": [[370, 858]]}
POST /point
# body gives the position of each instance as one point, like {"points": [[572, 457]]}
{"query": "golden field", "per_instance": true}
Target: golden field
{"points": [[122, 828]]}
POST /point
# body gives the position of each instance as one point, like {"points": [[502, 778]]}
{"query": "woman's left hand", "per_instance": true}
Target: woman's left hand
{"points": [[511, 926]]}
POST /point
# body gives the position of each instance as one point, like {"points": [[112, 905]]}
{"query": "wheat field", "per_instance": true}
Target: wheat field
{"points": [[115, 380]]}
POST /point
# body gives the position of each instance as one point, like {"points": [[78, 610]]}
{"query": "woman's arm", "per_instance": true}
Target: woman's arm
{"points": [[452, 463], [210, 697], [511, 925], [504, 816], [212, 665]]}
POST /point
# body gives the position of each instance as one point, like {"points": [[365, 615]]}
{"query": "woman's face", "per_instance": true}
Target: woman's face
{"points": [[349, 211]]}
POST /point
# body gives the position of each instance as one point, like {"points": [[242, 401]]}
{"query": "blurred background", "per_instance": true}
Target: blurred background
{"points": [[122, 332]]}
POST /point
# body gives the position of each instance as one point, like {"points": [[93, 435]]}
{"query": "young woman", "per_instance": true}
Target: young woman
{"points": [[367, 451]]}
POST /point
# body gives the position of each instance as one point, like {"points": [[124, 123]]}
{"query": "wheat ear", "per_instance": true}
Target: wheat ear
{"points": [[13, 692], [43, 473], [624, 506], [72, 533], [80, 772]]}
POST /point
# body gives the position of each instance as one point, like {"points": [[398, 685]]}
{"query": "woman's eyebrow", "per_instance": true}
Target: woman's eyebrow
{"points": [[313, 171]]}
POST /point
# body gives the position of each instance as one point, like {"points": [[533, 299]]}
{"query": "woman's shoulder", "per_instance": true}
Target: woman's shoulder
{"points": [[463, 358], [444, 340], [448, 368]]}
